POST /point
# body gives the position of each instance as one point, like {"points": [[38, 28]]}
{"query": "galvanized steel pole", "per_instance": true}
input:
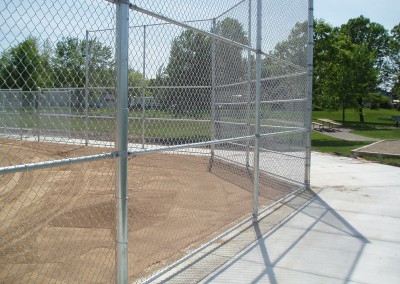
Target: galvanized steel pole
{"points": [[213, 94], [86, 88], [308, 126], [69, 113], [122, 22], [249, 93], [37, 112], [21, 97], [143, 103], [258, 110]]}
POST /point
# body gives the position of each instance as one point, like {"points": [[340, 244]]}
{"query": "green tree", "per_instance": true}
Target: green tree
{"points": [[393, 63], [349, 63], [288, 57], [369, 47], [135, 79], [22, 66], [69, 64], [396, 90], [230, 64], [294, 48], [336, 82], [374, 37], [366, 77], [189, 65], [350, 75], [324, 38]]}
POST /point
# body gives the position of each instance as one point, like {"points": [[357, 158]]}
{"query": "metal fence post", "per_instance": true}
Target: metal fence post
{"points": [[69, 114], [213, 94], [257, 119], [248, 90], [36, 107], [21, 97], [86, 88], [144, 88], [308, 120], [3, 106], [122, 34]]}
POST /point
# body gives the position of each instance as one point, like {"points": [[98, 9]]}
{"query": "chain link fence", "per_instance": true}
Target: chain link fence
{"points": [[164, 131]]}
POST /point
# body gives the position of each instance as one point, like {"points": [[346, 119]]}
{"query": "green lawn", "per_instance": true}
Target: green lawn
{"points": [[378, 124], [372, 117], [166, 125]]}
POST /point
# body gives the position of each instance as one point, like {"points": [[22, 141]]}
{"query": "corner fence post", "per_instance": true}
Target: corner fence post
{"points": [[121, 145], [249, 93], [257, 118], [308, 121]]}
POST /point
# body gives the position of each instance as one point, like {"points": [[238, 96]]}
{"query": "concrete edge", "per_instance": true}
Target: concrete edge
{"points": [[359, 151]]}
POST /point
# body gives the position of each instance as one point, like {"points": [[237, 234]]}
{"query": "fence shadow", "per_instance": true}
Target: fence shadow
{"points": [[304, 231], [301, 239]]}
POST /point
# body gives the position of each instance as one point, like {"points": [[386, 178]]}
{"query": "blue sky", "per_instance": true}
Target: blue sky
{"points": [[51, 21], [338, 12]]}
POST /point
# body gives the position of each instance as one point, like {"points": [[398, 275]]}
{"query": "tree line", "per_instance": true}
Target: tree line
{"points": [[351, 63], [354, 61]]}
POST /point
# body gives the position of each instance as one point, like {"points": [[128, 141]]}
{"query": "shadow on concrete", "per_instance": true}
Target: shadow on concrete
{"points": [[312, 239]]}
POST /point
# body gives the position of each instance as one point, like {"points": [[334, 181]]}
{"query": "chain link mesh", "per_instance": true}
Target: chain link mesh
{"points": [[191, 130]]}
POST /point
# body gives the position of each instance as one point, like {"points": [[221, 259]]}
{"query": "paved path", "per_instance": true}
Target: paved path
{"points": [[345, 134]]}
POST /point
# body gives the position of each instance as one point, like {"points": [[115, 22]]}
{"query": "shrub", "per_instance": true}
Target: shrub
{"points": [[378, 101]]}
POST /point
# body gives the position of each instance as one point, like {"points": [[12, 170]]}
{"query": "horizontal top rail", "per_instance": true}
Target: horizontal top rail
{"points": [[174, 87], [185, 26], [284, 101], [208, 143], [70, 161], [152, 25], [230, 9], [55, 163]]}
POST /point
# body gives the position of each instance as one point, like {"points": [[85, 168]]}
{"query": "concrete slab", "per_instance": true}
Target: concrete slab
{"points": [[349, 233]]}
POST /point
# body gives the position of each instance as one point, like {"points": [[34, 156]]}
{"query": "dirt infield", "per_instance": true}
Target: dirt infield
{"points": [[58, 224]]}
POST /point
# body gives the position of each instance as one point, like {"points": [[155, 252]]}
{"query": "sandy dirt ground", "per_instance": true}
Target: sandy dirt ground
{"points": [[58, 224]]}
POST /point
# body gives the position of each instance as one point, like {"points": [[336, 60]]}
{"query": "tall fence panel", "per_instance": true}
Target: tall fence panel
{"points": [[117, 168], [57, 196]]}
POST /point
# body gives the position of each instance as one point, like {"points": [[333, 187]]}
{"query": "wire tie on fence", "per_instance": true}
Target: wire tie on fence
{"points": [[121, 198], [257, 135], [121, 154]]}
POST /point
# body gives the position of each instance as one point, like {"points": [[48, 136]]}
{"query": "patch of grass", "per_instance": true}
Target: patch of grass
{"points": [[373, 118], [383, 133], [378, 123], [327, 144]]}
